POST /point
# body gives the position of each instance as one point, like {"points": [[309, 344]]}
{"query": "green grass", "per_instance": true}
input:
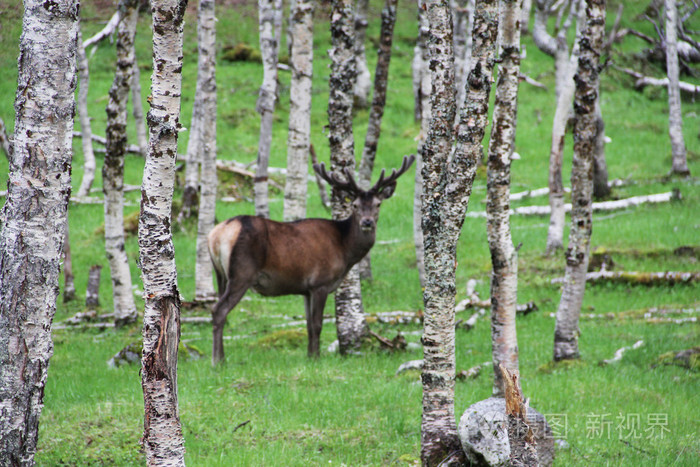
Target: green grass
{"points": [[355, 411]]}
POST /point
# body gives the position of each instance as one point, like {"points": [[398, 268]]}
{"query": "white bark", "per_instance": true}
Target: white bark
{"points": [[137, 109], [463, 24], [350, 317], [620, 352], [113, 167], [299, 136], [504, 257], [108, 30], [86, 129], [679, 164], [206, 24], [363, 81], [270, 13], [587, 79], [447, 184], [34, 219], [162, 439]]}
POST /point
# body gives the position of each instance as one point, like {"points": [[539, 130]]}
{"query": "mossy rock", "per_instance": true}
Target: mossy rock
{"points": [[128, 355], [286, 338], [242, 52], [189, 352], [689, 358]]}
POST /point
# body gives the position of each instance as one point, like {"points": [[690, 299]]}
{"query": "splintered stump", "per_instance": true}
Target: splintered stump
{"points": [[523, 450], [92, 294]]}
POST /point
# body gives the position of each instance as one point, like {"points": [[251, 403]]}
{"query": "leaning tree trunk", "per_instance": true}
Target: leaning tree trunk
{"points": [[34, 219], [422, 89], [679, 163], [85, 127], [381, 80], [269, 10], [447, 186], [587, 82], [504, 257], [349, 314], [363, 81], [162, 439], [299, 136], [206, 24], [113, 167]]}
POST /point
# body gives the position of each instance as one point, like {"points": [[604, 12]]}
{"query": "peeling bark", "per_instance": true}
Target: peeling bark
{"points": [[350, 317], [504, 257], [162, 439], [203, 284], [270, 35], [113, 167], [299, 136], [35, 219], [587, 82], [679, 163], [447, 184]]}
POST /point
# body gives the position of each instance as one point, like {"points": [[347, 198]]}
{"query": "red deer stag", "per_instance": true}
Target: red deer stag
{"points": [[308, 257]]}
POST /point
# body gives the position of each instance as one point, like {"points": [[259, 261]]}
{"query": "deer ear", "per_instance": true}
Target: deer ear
{"points": [[387, 191]]}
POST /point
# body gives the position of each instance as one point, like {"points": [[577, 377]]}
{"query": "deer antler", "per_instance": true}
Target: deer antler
{"points": [[383, 183], [333, 179]]}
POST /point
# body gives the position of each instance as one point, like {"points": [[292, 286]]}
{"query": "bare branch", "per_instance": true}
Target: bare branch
{"points": [[108, 30]]}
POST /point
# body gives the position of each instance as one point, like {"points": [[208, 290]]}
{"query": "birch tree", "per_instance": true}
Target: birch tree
{"points": [[162, 439], [137, 107], [113, 167], [587, 82], [363, 81], [35, 219], [349, 313], [381, 80], [206, 77], [84, 117], [504, 257], [299, 136], [679, 163], [447, 184], [463, 23], [270, 27]]}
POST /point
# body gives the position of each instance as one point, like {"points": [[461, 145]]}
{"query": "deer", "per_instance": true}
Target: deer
{"points": [[308, 257]]}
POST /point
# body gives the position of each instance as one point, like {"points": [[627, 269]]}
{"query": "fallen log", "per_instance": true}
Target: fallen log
{"points": [[130, 148], [620, 352], [643, 81], [234, 167], [473, 372], [638, 278]]}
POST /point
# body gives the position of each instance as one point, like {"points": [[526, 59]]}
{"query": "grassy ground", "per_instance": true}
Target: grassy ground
{"points": [[269, 405]]}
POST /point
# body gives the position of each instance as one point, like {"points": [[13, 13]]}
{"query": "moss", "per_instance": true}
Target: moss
{"points": [[242, 52], [562, 365], [286, 338]]}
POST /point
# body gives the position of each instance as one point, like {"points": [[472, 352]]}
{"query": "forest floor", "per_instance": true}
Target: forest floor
{"points": [[269, 405]]}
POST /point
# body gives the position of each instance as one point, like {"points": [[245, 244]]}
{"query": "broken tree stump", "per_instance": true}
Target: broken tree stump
{"points": [[523, 451]]}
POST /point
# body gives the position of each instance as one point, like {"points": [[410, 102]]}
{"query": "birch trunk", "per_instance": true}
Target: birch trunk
{"points": [[299, 136], [113, 168], [587, 82], [421, 81], [381, 81], [525, 11], [162, 439], [349, 314], [137, 108], [504, 257], [206, 74], [463, 23], [447, 186], [679, 164], [34, 219], [601, 187], [269, 10], [363, 81], [68, 278], [85, 127]]}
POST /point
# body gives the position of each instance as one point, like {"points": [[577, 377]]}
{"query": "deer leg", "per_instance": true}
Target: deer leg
{"points": [[315, 303], [220, 282], [228, 300]]}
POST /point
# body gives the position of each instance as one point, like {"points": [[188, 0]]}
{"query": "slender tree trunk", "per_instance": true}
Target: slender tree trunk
{"points": [[587, 82], [113, 167], [679, 163], [463, 23], [206, 24], [504, 257], [601, 187], [162, 439], [85, 127], [349, 313], [299, 136], [270, 34], [363, 81], [35, 219], [68, 278], [381, 80], [447, 186], [525, 12], [422, 85], [137, 108]]}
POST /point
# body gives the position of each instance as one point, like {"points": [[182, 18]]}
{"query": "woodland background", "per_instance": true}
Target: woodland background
{"points": [[269, 405]]}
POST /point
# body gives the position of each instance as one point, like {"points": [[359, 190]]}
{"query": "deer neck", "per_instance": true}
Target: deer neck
{"points": [[357, 242]]}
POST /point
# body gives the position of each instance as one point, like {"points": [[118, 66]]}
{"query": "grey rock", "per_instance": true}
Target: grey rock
{"points": [[484, 435]]}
